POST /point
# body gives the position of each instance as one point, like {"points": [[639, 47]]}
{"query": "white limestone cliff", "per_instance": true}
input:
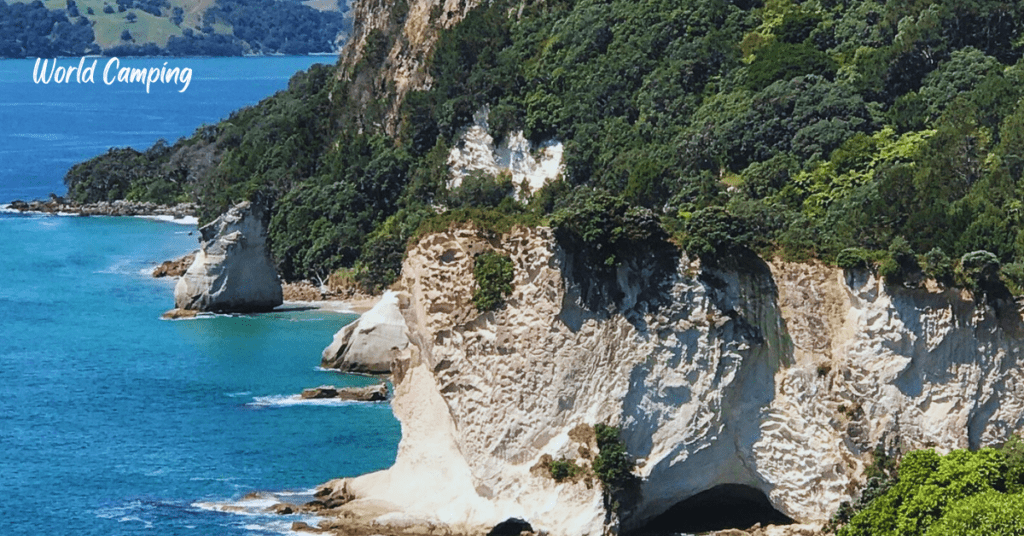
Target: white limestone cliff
{"points": [[530, 167], [782, 378], [232, 271], [371, 343]]}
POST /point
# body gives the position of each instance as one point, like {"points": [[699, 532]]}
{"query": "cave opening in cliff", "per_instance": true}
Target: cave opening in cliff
{"points": [[726, 506]]}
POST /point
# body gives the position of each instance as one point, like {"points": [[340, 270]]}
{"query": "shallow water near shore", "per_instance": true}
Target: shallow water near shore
{"points": [[113, 421]]}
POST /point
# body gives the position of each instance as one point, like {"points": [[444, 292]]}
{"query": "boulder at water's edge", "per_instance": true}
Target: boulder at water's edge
{"points": [[370, 343]]}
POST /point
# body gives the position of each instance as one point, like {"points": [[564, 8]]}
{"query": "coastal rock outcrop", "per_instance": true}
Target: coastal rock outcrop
{"points": [[371, 343], [176, 267], [370, 393], [775, 381], [233, 271]]}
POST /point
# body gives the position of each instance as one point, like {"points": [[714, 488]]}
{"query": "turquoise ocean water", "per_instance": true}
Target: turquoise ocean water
{"points": [[113, 421]]}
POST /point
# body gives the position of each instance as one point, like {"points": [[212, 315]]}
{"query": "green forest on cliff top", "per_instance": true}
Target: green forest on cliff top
{"points": [[859, 132]]}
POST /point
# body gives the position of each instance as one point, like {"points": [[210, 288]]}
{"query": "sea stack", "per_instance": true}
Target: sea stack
{"points": [[233, 271], [369, 344]]}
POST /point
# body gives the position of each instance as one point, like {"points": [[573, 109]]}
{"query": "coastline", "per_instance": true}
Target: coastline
{"points": [[182, 213], [354, 306], [297, 295]]}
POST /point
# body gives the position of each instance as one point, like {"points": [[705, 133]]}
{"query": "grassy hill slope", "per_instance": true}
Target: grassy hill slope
{"points": [[200, 27]]}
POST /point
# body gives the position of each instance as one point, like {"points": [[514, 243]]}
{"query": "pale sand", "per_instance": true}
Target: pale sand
{"points": [[354, 305]]}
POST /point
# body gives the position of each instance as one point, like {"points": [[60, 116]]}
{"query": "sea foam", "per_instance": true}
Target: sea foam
{"points": [[283, 401]]}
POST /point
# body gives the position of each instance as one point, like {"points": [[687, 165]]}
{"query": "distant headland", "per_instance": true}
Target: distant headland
{"points": [[171, 28]]}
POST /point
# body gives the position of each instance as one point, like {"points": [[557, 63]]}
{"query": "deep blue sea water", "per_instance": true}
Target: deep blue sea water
{"points": [[46, 128], [112, 421]]}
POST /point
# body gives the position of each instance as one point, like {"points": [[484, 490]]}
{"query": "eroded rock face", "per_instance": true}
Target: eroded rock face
{"points": [[414, 27], [371, 343], [232, 271], [779, 378]]}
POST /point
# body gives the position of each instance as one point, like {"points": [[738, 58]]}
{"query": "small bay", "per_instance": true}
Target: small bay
{"points": [[113, 421]]}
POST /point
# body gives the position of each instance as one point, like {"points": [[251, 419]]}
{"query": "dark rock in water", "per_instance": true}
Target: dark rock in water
{"points": [[233, 271], [331, 495], [512, 526], [18, 204], [324, 391], [282, 509], [175, 268], [332, 501], [372, 393], [301, 526]]}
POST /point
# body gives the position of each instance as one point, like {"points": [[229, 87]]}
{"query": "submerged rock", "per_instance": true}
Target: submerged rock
{"points": [[370, 393], [372, 342], [179, 314], [233, 271]]}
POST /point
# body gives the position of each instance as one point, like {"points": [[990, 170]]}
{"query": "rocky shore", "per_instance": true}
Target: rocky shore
{"points": [[58, 205], [371, 393], [176, 267], [306, 291]]}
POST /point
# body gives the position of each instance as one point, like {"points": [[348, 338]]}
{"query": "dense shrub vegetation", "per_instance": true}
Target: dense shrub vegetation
{"points": [[961, 493], [613, 466], [562, 470], [877, 134], [493, 273], [29, 29], [273, 26]]}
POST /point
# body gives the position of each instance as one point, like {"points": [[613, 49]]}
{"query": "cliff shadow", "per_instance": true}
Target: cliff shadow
{"points": [[636, 283], [950, 332]]}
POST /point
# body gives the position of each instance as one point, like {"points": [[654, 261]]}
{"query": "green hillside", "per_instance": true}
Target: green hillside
{"points": [[169, 27], [861, 132]]}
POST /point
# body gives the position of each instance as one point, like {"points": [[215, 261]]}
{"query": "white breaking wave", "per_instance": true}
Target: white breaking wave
{"points": [[121, 266], [283, 401], [127, 513], [254, 507], [187, 220]]}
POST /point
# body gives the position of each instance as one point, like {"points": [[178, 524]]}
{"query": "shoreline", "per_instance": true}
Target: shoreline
{"points": [[182, 213], [356, 306]]}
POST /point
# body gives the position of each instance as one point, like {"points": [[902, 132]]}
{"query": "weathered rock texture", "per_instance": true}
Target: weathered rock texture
{"points": [[371, 343], [780, 377], [232, 271], [476, 151], [412, 27]]}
